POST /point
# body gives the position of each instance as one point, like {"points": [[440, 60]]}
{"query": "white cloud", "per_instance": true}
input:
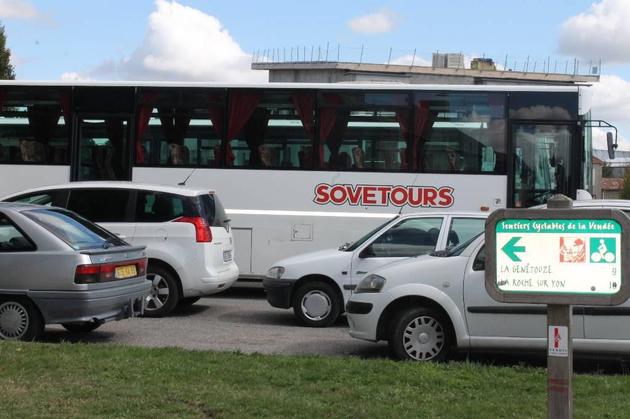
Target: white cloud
{"points": [[408, 59], [17, 9], [610, 100], [379, 22], [181, 43], [601, 32]]}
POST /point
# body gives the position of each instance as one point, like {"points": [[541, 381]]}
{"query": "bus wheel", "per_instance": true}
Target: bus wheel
{"points": [[316, 304]]}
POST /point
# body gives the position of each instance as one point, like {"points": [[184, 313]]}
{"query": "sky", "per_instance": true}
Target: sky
{"points": [[214, 40]]}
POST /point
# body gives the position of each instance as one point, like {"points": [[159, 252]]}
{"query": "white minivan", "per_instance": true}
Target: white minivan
{"points": [[317, 284], [185, 230]]}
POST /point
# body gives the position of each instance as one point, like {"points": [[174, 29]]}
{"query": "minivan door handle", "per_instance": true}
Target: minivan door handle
{"points": [[361, 272]]}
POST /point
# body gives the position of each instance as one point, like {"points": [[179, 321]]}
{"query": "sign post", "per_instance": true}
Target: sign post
{"points": [[559, 256]]}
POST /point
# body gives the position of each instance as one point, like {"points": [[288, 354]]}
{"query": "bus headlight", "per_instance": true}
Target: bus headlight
{"points": [[371, 283], [276, 272]]}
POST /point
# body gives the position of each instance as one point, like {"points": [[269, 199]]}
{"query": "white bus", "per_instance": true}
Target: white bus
{"points": [[302, 167]]}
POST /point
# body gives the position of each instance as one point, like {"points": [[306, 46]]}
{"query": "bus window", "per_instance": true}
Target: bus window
{"points": [[33, 126], [364, 131], [274, 130], [457, 133], [182, 128]]}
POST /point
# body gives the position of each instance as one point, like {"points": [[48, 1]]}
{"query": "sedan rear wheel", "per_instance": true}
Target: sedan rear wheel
{"points": [[164, 294], [20, 320], [420, 334]]}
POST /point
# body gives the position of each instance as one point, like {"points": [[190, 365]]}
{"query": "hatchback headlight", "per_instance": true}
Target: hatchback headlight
{"points": [[276, 272], [371, 283]]}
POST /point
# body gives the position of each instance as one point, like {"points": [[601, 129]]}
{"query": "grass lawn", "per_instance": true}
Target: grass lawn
{"points": [[72, 380]]}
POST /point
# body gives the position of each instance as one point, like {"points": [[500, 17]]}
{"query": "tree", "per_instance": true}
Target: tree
{"points": [[6, 68]]}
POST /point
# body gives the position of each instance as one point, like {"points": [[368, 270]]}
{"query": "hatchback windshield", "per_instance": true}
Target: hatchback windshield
{"points": [[353, 246], [76, 231]]}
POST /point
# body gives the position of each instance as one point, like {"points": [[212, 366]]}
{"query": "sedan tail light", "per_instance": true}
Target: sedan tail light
{"points": [[203, 234], [106, 272]]}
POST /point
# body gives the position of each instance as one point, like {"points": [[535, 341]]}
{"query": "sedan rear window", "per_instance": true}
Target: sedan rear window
{"points": [[77, 232]]}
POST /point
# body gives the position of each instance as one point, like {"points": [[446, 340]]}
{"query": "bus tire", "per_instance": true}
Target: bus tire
{"points": [[316, 304]]}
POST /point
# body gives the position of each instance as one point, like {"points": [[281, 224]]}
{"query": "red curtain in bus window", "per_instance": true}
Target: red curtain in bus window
{"points": [[240, 109], [254, 134], [142, 122], [304, 104], [64, 99], [331, 126], [423, 122], [402, 116], [216, 114]]}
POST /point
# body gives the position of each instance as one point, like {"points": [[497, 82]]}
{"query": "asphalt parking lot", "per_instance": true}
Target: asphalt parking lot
{"points": [[241, 320], [237, 320]]}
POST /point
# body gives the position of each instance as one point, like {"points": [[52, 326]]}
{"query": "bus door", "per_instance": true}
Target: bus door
{"points": [[541, 163], [103, 148]]}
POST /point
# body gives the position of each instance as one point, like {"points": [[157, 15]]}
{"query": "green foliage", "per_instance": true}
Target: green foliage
{"points": [[79, 380], [625, 192], [6, 68]]}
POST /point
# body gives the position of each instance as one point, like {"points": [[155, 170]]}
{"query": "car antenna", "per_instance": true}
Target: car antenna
{"points": [[412, 184], [187, 177]]}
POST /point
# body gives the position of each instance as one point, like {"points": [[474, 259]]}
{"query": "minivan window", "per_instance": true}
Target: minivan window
{"points": [[100, 205], [159, 207], [77, 232], [213, 211]]}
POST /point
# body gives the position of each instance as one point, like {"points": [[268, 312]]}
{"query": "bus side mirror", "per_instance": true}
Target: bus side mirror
{"points": [[611, 145]]}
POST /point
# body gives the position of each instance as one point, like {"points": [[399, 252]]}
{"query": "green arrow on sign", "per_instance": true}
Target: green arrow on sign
{"points": [[511, 248]]}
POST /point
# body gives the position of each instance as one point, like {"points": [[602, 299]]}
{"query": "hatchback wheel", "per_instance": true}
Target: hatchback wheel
{"points": [[164, 294], [20, 320], [420, 334], [316, 304], [81, 327]]}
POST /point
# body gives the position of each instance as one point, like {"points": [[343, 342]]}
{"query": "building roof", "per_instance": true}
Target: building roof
{"points": [[595, 160]]}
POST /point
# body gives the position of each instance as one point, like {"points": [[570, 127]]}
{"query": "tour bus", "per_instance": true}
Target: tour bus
{"points": [[302, 167]]}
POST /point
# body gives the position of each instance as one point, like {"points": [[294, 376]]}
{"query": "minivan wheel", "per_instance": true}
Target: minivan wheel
{"points": [[420, 334], [316, 304], [20, 320], [164, 294], [81, 327]]}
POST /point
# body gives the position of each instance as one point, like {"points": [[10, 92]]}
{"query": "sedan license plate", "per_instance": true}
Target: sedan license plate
{"points": [[127, 271], [227, 256]]}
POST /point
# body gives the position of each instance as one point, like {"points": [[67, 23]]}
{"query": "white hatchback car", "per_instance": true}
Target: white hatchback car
{"points": [[427, 306], [185, 230], [317, 284]]}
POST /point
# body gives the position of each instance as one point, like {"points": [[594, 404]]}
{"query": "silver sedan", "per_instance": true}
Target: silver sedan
{"points": [[57, 267]]}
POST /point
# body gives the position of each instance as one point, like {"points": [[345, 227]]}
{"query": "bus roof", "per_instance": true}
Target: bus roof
{"points": [[330, 86]]}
